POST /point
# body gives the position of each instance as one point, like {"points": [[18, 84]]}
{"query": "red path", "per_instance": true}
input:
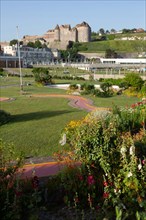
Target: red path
{"points": [[41, 169]]}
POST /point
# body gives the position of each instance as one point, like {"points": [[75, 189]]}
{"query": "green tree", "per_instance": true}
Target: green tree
{"points": [[134, 80], [14, 42], [109, 53], [37, 44], [101, 31], [42, 75], [31, 44]]}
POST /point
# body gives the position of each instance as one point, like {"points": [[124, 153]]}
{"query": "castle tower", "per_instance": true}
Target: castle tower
{"points": [[57, 33], [83, 32]]}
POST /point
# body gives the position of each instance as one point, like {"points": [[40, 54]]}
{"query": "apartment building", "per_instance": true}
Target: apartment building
{"points": [[31, 55]]}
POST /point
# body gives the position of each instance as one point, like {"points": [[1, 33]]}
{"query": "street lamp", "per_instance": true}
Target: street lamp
{"points": [[21, 83]]}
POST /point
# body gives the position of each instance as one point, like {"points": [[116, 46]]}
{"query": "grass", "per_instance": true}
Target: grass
{"points": [[36, 124], [117, 45], [122, 100], [53, 70]]}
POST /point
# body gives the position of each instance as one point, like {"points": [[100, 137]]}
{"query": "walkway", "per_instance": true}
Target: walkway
{"points": [[76, 101], [40, 169]]}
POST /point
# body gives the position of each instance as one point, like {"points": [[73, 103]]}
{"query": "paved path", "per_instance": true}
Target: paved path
{"points": [[76, 101], [41, 169]]}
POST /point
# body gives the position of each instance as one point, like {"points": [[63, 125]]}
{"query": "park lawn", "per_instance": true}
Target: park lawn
{"points": [[117, 100], [36, 123]]}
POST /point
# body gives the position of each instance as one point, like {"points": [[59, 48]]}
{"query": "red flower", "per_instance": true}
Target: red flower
{"points": [[105, 183], [90, 180], [105, 195]]}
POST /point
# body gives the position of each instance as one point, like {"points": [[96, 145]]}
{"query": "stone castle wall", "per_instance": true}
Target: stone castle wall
{"points": [[64, 33]]}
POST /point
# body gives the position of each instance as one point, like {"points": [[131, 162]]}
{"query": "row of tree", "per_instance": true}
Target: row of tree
{"points": [[36, 44], [102, 31]]}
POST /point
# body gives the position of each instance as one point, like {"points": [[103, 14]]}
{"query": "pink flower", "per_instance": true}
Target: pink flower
{"points": [[105, 183], [90, 180], [143, 162], [105, 195]]}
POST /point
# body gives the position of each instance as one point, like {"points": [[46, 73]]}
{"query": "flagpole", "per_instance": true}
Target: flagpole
{"points": [[21, 83]]}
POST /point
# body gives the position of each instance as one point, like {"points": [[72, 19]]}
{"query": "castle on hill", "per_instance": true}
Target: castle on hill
{"points": [[63, 34]]}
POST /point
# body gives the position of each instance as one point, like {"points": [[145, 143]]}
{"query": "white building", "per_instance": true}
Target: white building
{"points": [[123, 60], [31, 55]]}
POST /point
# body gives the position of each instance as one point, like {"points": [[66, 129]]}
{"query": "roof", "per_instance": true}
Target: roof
{"points": [[83, 24]]}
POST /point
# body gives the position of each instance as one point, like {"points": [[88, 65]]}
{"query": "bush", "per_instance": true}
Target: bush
{"points": [[73, 86], [134, 80], [108, 148]]}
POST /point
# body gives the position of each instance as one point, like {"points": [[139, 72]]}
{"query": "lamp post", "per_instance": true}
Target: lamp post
{"points": [[21, 83]]}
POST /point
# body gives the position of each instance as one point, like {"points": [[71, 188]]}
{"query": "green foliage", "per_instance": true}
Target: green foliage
{"points": [[134, 80], [73, 86], [13, 42], [8, 182], [109, 53], [4, 117], [111, 36], [143, 90], [31, 44], [87, 88], [109, 144], [42, 75], [36, 44], [2, 72]]}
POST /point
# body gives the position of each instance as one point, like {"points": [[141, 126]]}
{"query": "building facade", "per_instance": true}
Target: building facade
{"points": [[64, 33], [32, 55]]}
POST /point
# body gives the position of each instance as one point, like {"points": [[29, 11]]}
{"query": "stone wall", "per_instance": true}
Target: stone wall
{"points": [[64, 33]]}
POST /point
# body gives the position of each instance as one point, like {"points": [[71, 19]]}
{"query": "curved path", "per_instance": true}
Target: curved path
{"points": [[76, 101]]}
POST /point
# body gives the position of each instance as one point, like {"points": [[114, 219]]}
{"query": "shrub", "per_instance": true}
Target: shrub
{"points": [[107, 147], [73, 86], [134, 80]]}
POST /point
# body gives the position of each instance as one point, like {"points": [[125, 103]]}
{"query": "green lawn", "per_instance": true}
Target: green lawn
{"points": [[36, 123]]}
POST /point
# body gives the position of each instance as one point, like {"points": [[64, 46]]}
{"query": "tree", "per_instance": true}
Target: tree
{"points": [[101, 31], [42, 75], [31, 44], [109, 53], [107, 32], [134, 80], [37, 44], [113, 30], [14, 42]]}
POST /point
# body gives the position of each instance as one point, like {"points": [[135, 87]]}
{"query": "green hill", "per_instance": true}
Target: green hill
{"points": [[117, 45]]}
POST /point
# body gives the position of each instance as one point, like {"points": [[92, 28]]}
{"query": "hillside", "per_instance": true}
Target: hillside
{"points": [[117, 45]]}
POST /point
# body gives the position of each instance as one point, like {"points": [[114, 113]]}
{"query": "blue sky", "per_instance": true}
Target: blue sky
{"points": [[35, 17]]}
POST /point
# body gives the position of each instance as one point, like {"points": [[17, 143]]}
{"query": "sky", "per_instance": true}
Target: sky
{"points": [[35, 17]]}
